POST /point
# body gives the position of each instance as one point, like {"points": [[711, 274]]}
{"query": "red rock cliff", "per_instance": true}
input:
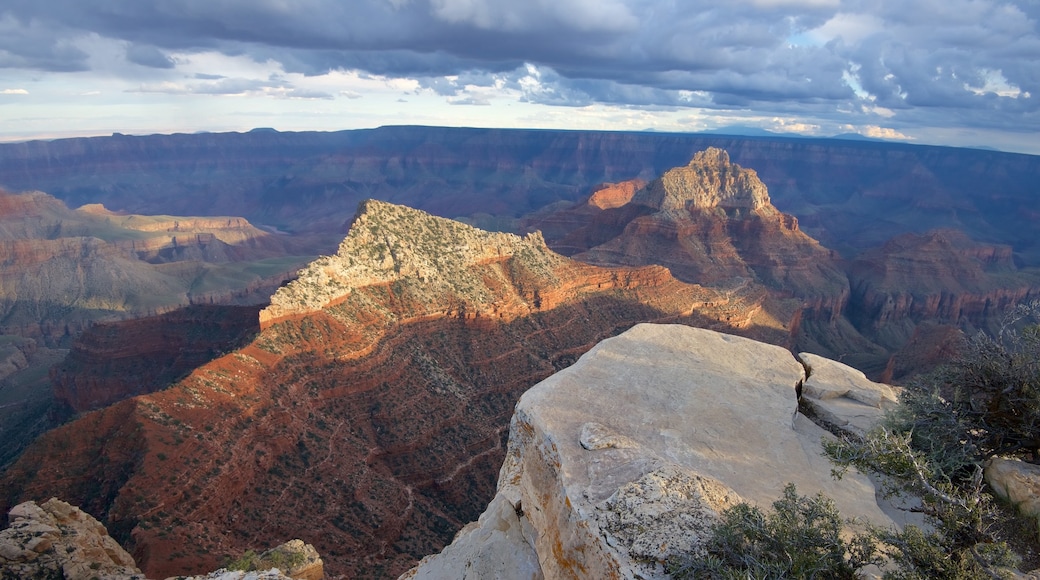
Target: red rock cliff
{"points": [[369, 421]]}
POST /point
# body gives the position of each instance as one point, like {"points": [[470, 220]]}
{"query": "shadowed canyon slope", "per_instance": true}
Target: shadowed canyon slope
{"points": [[63, 269], [369, 415], [116, 360], [848, 195]]}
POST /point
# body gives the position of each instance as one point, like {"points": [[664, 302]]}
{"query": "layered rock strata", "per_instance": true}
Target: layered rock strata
{"points": [[62, 269], [376, 398], [112, 361], [627, 457], [710, 222], [940, 277]]}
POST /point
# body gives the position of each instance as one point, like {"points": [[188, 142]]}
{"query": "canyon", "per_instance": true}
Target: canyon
{"points": [[384, 375], [64, 270], [395, 389], [848, 195]]}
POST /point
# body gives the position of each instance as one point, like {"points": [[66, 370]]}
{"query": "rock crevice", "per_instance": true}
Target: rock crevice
{"points": [[627, 457]]}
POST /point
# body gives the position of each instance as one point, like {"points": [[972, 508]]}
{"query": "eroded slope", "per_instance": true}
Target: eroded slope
{"points": [[369, 421]]}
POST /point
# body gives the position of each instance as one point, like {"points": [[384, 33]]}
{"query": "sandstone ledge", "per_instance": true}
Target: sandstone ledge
{"points": [[628, 456]]}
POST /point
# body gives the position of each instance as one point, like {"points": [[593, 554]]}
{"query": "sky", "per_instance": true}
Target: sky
{"points": [[947, 72]]}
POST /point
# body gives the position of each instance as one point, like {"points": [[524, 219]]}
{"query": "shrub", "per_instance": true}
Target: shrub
{"points": [[250, 561], [800, 538], [984, 402]]}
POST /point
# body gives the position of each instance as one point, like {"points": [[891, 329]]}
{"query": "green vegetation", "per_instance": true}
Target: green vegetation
{"points": [[250, 561], [983, 403], [800, 538]]}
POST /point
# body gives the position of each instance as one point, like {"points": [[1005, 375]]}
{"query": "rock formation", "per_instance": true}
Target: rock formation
{"points": [[61, 269], [941, 277], [58, 540], [628, 456], [369, 415], [112, 361], [1017, 483], [710, 222]]}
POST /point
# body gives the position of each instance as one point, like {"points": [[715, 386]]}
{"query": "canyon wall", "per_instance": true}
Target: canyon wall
{"points": [[116, 360], [381, 410], [848, 195]]}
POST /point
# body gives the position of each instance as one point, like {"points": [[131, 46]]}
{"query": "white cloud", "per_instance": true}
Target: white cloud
{"points": [[795, 3], [926, 64], [877, 132], [994, 82], [14, 92], [850, 28]]}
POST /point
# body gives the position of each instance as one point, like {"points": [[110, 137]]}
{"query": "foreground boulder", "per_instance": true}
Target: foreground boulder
{"points": [[627, 457], [57, 540], [1018, 483], [60, 541]]}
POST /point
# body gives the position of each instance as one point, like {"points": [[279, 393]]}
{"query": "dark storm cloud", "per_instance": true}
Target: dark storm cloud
{"points": [[897, 61], [32, 45], [149, 56]]}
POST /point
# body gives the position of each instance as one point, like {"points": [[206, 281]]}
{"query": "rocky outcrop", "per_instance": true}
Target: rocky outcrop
{"points": [[710, 222], [842, 396], [57, 540], [1017, 483], [116, 360], [390, 242], [612, 195], [369, 421], [627, 457], [709, 181]]}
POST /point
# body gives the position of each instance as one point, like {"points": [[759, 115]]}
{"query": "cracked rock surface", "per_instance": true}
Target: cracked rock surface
{"points": [[629, 455]]}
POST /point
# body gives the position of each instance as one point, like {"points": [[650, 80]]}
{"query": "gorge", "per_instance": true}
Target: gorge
{"points": [[385, 374]]}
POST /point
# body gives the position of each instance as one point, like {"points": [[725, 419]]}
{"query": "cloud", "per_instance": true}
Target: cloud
{"points": [[14, 92], [149, 56], [469, 101], [823, 63], [31, 44], [220, 86]]}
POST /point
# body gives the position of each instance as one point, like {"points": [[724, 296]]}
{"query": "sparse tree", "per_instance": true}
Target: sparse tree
{"points": [[983, 403]]}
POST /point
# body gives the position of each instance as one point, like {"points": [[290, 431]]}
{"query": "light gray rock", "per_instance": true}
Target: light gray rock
{"points": [[58, 540], [844, 396], [497, 546], [1018, 483], [628, 456]]}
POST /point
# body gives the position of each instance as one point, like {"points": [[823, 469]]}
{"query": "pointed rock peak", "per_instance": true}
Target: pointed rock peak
{"points": [[712, 156], [709, 181], [390, 242]]}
